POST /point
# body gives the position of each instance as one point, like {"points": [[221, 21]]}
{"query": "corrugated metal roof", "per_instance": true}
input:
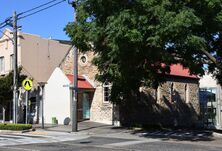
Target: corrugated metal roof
{"points": [[82, 82]]}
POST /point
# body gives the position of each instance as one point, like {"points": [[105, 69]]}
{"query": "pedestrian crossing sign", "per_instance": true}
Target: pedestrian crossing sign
{"points": [[27, 84]]}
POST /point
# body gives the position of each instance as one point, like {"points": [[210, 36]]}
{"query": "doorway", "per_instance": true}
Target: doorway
{"points": [[86, 106]]}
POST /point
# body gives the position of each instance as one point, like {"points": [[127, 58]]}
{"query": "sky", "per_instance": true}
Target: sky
{"points": [[48, 23]]}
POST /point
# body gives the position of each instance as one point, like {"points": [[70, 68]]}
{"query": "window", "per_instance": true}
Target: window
{"points": [[83, 60], [158, 94], [106, 91], [187, 99], [6, 44], [11, 61], [2, 64], [172, 92]]}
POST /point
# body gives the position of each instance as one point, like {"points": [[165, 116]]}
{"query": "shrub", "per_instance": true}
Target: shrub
{"points": [[16, 127]]}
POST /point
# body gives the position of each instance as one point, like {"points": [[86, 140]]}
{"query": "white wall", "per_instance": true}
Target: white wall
{"points": [[6, 49], [207, 81], [57, 97]]}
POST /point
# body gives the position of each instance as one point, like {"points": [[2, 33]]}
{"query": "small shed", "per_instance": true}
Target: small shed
{"points": [[57, 98]]}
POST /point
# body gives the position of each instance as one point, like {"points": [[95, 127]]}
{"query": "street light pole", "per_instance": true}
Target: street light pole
{"points": [[15, 74], [42, 86], [43, 125]]}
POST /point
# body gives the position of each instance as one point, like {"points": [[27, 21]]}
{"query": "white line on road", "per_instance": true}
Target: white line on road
{"points": [[126, 143], [16, 148], [99, 146]]}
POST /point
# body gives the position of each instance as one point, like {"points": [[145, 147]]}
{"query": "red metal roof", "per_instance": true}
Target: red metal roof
{"points": [[179, 70], [82, 82]]}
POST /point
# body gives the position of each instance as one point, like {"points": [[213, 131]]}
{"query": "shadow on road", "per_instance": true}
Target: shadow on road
{"points": [[178, 135], [98, 128]]}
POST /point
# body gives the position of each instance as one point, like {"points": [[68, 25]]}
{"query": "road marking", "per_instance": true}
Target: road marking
{"points": [[133, 142], [97, 146], [9, 140], [17, 148], [39, 133]]}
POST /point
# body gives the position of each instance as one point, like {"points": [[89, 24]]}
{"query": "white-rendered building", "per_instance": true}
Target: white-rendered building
{"points": [[57, 96], [211, 101]]}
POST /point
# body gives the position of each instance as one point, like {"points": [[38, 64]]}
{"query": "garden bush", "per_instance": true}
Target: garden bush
{"points": [[16, 127]]}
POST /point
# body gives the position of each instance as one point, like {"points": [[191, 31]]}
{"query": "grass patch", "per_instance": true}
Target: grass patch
{"points": [[15, 127]]}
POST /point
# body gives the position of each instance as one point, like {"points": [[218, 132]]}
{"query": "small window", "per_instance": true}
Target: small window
{"points": [[187, 93], [6, 44], [83, 60], [158, 94], [2, 64], [11, 61], [106, 91], [172, 92]]}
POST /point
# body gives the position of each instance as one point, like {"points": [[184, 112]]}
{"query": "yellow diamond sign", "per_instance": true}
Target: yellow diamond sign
{"points": [[27, 84]]}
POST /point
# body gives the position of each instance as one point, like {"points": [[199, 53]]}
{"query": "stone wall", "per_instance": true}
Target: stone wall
{"points": [[174, 103], [100, 111], [160, 106]]}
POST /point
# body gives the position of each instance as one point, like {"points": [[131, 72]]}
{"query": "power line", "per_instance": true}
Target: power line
{"points": [[3, 25], [8, 21], [29, 10], [41, 10]]}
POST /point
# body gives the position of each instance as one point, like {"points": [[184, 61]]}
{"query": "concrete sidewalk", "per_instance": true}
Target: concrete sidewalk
{"points": [[90, 128], [83, 127]]}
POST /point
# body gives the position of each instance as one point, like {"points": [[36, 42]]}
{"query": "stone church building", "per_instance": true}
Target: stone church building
{"points": [[174, 103]]}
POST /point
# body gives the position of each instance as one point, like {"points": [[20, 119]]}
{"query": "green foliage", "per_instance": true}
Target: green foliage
{"points": [[132, 38], [16, 127], [6, 87]]}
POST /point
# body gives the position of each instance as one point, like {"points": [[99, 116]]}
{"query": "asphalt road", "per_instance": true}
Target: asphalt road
{"points": [[98, 137], [116, 144]]}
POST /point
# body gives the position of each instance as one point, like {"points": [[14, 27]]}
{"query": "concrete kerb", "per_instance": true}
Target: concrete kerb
{"points": [[15, 132], [55, 132], [215, 134]]}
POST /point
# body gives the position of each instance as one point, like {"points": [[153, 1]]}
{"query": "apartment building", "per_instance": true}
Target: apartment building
{"points": [[38, 57]]}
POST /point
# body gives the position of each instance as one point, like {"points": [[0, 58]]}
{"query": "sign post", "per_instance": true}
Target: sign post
{"points": [[27, 85], [26, 108]]}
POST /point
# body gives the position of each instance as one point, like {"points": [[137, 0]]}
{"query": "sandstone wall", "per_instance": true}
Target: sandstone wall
{"points": [[162, 107], [100, 111], [170, 108]]}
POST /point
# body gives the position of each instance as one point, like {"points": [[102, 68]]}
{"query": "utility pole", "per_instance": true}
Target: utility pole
{"points": [[75, 83], [75, 90], [15, 66]]}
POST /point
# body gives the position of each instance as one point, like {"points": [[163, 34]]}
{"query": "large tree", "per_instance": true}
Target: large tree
{"points": [[137, 40], [6, 87]]}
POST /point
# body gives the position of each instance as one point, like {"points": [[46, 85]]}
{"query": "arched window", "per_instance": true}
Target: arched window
{"points": [[106, 92], [172, 92], [158, 94], [187, 93]]}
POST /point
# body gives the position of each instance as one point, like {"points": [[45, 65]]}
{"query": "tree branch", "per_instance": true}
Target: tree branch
{"points": [[211, 58]]}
